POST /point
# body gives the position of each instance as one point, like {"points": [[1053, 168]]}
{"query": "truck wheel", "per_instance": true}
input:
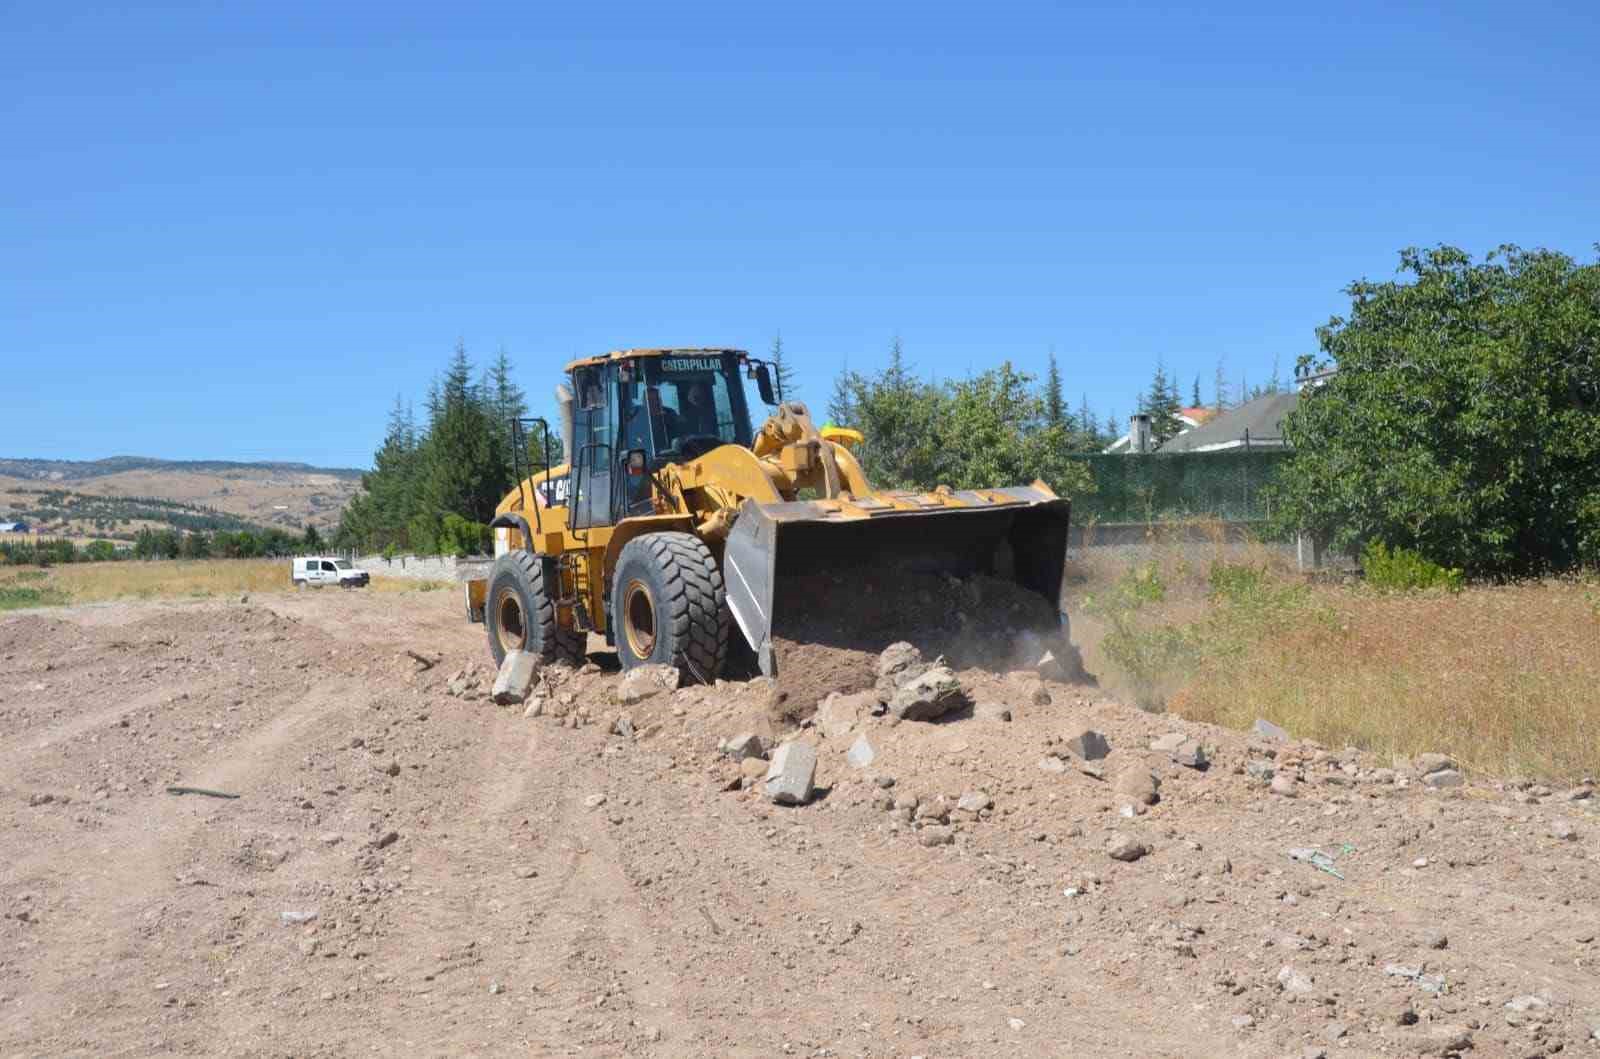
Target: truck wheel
{"points": [[668, 606], [520, 615]]}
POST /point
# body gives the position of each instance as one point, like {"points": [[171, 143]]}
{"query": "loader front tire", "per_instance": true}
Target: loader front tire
{"points": [[519, 613], [668, 606]]}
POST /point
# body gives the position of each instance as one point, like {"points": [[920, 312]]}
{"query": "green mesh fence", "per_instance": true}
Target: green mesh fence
{"points": [[1226, 485]]}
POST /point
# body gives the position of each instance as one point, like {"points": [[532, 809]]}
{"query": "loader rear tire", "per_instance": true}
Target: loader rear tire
{"points": [[668, 606], [519, 614]]}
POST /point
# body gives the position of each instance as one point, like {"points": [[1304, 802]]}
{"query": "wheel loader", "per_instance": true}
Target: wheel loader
{"points": [[672, 528]]}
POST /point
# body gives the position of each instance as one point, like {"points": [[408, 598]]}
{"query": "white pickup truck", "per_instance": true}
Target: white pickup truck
{"points": [[321, 570]]}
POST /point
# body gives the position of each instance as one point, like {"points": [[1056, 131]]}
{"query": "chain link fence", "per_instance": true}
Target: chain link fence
{"points": [[1159, 487]]}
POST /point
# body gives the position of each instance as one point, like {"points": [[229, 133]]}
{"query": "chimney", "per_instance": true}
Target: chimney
{"points": [[1139, 439]]}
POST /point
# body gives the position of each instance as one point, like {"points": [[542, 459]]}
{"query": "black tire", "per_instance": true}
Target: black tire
{"points": [[519, 614], [668, 606]]}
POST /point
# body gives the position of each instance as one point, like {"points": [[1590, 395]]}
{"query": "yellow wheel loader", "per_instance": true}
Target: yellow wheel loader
{"points": [[670, 523]]}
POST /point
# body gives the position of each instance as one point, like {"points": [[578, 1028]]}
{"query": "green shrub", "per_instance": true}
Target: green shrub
{"points": [[1403, 570]]}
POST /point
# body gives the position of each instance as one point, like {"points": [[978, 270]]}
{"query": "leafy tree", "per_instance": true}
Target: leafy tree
{"points": [[1464, 419]]}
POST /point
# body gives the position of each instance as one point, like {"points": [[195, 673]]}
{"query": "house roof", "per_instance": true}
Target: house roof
{"points": [[1189, 417], [1258, 423]]}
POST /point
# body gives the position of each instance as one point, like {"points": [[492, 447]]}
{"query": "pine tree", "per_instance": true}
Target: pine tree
{"points": [[1088, 425], [1221, 385], [783, 372], [1195, 402], [1162, 404], [1055, 411]]}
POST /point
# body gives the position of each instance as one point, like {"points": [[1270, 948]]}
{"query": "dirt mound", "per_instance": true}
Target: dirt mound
{"points": [[831, 627]]}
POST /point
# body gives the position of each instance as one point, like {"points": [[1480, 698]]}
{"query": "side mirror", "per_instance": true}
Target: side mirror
{"points": [[764, 384]]}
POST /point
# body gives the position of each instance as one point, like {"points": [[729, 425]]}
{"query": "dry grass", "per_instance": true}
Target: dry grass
{"points": [[1506, 679], [177, 579]]}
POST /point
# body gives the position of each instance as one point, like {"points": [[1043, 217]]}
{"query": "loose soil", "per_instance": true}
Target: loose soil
{"points": [[407, 869]]}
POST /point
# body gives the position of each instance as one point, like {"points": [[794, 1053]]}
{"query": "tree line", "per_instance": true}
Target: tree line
{"points": [[163, 544], [434, 485]]}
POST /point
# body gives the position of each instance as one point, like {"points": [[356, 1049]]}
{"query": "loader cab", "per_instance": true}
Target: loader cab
{"points": [[669, 405]]}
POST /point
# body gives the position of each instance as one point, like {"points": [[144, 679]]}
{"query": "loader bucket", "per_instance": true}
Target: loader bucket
{"points": [[775, 550]]}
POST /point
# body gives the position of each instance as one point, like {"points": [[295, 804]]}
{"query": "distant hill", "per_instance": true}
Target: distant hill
{"points": [[118, 496], [72, 470]]}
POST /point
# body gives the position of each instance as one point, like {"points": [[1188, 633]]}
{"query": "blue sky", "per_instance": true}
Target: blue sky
{"points": [[237, 231]]}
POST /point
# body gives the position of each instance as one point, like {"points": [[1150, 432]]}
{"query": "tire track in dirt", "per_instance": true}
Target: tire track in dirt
{"points": [[107, 884]]}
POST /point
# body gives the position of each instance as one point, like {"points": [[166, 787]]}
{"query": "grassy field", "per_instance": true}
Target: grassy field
{"points": [[176, 579], [1506, 679]]}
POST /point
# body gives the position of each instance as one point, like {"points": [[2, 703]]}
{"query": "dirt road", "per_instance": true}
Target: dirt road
{"points": [[409, 869]]}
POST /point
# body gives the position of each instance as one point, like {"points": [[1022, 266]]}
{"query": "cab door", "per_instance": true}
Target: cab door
{"points": [[593, 444]]}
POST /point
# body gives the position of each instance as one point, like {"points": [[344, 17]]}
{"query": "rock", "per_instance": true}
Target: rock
{"points": [[753, 768], [908, 802], [745, 745], [388, 839], [297, 917], [1016, 1024], [1293, 981], [1166, 744], [1524, 1004], [898, 665], [643, 682], [936, 836], [594, 801], [515, 678], [391, 769], [1139, 784], [1269, 731], [1562, 830], [975, 802], [1426, 763], [1052, 764], [535, 708], [1190, 754], [1442, 1039], [495, 989], [991, 711], [1435, 939], [1089, 745], [622, 726], [1036, 693], [934, 812], [789, 776], [839, 715], [1443, 778], [1284, 785], [330, 838], [1125, 848], [885, 782], [1259, 770], [1243, 1022], [861, 753], [928, 696], [1334, 1031], [36, 800]]}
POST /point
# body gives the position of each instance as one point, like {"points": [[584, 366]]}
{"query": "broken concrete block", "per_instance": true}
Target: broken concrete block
{"points": [[1190, 754], [1089, 745], [789, 776], [928, 696], [1269, 731], [862, 753], [898, 664], [642, 682], [743, 745], [515, 679]]}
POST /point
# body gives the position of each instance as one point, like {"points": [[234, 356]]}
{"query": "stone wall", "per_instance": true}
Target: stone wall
{"points": [[419, 567]]}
